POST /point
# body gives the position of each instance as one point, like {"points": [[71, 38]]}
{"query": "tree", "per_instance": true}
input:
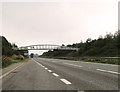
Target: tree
{"points": [[109, 45], [7, 48]]}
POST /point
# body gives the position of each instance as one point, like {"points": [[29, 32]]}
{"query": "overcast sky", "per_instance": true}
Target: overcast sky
{"points": [[31, 23]]}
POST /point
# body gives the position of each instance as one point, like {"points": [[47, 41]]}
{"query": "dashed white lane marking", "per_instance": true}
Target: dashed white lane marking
{"points": [[10, 71], [49, 71], [65, 81], [55, 74], [107, 71], [38, 63], [46, 68], [73, 65]]}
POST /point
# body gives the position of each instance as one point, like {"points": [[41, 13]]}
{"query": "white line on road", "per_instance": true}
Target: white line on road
{"points": [[46, 68], [55, 74], [107, 71], [65, 81], [41, 65], [38, 63], [73, 65], [10, 71], [49, 71]]}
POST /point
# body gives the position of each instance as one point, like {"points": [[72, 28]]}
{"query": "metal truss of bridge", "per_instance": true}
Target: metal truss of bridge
{"points": [[45, 47]]}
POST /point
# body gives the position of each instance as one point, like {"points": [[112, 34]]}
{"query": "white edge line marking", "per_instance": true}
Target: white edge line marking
{"points": [[101, 70], [10, 71], [73, 65], [55, 74], [49, 71], [107, 71], [65, 81]]}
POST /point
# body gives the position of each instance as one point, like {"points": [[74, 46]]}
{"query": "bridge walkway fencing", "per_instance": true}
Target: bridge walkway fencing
{"points": [[45, 47]]}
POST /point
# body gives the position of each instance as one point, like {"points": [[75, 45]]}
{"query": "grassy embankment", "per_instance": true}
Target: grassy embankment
{"points": [[94, 60], [92, 49], [10, 55], [6, 61]]}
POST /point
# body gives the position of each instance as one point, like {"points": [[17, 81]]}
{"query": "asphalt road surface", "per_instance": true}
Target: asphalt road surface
{"points": [[56, 74]]}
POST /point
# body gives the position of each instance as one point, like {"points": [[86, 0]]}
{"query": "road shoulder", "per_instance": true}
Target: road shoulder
{"points": [[11, 68]]}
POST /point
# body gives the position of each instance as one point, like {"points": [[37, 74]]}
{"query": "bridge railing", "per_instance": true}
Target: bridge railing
{"points": [[45, 47]]}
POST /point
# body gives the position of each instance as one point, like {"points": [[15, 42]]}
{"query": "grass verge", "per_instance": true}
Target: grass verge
{"points": [[105, 61], [7, 63]]}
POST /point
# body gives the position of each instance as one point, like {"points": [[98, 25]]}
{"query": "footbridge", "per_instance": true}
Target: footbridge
{"points": [[45, 47]]}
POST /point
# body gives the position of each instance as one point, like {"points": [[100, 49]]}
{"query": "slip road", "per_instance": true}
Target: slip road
{"points": [[56, 74]]}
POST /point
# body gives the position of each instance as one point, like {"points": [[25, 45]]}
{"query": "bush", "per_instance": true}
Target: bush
{"points": [[14, 57], [5, 58], [6, 61], [20, 57]]}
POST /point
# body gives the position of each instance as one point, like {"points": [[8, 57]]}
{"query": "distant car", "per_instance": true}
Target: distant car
{"points": [[31, 55]]}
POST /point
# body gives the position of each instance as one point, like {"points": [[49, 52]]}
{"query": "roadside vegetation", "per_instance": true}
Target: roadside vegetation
{"points": [[91, 59], [9, 55], [107, 46]]}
